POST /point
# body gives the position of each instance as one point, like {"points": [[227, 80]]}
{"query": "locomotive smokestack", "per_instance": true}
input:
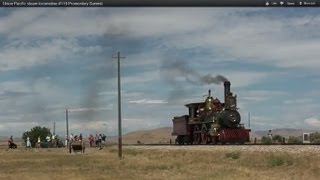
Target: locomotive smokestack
{"points": [[227, 85], [209, 93]]}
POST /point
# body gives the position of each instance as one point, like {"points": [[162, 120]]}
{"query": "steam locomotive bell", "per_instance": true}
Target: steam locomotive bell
{"points": [[208, 103]]}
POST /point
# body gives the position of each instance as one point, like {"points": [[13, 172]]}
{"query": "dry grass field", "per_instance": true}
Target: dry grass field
{"points": [[144, 163]]}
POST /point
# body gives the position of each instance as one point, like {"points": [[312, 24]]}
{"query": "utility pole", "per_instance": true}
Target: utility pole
{"points": [[54, 128], [119, 106], [249, 118], [67, 124]]}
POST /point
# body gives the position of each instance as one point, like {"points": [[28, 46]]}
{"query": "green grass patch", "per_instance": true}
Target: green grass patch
{"points": [[158, 167], [233, 155], [280, 160], [113, 150], [132, 152]]}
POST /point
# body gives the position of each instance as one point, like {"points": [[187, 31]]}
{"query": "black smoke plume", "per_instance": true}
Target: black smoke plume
{"points": [[177, 73], [173, 70]]}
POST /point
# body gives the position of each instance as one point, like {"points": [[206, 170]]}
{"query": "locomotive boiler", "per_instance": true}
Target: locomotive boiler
{"points": [[211, 121]]}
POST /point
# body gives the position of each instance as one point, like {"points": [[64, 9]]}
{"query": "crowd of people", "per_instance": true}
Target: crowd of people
{"points": [[98, 141]]}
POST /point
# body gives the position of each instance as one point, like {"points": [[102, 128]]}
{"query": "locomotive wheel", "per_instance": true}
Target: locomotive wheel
{"points": [[197, 135], [214, 140], [197, 138], [180, 140], [204, 138]]}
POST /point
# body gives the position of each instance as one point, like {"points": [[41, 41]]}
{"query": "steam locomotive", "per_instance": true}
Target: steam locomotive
{"points": [[211, 122]]}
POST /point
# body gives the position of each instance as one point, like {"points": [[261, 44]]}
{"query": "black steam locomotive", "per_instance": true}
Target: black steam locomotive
{"points": [[211, 122]]}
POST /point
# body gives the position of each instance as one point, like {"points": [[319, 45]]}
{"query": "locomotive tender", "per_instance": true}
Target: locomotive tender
{"points": [[211, 122]]}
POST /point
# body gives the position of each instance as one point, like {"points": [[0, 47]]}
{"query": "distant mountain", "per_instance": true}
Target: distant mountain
{"points": [[163, 135], [159, 135]]}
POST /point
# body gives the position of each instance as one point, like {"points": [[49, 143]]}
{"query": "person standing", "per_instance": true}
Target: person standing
{"points": [[11, 144], [53, 140], [104, 139], [100, 141], [39, 142], [28, 143], [91, 140], [71, 137], [48, 141], [66, 141], [96, 139], [11, 138]]}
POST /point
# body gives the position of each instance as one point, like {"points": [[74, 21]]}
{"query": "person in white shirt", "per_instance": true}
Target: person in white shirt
{"points": [[48, 138], [66, 141], [39, 142], [71, 137], [53, 140], [28, 143]]}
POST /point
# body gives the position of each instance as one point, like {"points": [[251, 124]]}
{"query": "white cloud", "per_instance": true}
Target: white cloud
{"points": [[143, 59], [110, 126], [313, 121], [241, 78], [27, 53], [136, 78], [298, 101], [259, 38], [141, 77], [80, 22], [96, 126], [110, 107], [19, 86], [148, 101], [260, 95]]}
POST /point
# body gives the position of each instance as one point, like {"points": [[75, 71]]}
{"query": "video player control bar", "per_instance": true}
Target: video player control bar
{"points": [[159, 3]]}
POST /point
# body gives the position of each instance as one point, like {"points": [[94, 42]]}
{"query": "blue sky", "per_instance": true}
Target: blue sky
{"points": [[53, 59]]}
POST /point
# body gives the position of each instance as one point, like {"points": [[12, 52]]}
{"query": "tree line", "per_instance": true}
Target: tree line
{"points": [[277, 139]]}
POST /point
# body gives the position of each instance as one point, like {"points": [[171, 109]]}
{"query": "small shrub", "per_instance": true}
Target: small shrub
{"points": [[132, 152], [280, 160], [233, 155], [158, 167], [266, 140], [113, 150], [277, 139], [295, 140]]}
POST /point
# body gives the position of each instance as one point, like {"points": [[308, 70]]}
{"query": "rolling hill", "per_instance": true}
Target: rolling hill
{"points": [[159, 135]]}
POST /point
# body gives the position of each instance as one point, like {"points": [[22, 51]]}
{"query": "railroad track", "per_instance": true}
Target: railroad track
{"points": [[286, 148], [222, 145]]}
